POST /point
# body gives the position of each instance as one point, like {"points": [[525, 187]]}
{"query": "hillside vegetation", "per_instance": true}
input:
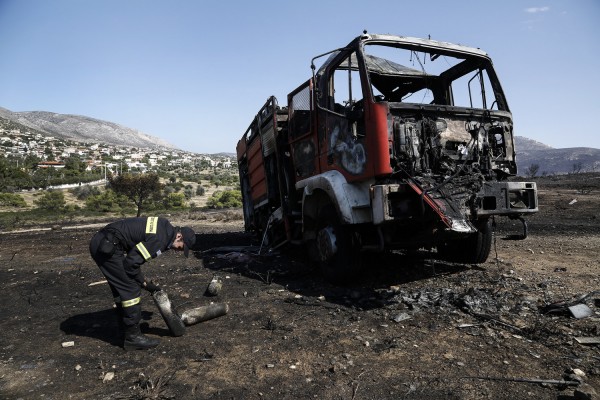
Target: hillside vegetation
{"points": [[210, 190]]}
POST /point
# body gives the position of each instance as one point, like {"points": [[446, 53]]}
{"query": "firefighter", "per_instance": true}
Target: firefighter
{"points": [[120, 249]]}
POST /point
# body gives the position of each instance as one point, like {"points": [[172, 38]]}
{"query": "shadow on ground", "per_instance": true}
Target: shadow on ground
{"points": [[104, 326], [290, 268]]}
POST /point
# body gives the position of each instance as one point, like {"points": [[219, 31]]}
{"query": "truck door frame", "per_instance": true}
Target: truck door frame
{"points": [[304, 147], [342, 126]]}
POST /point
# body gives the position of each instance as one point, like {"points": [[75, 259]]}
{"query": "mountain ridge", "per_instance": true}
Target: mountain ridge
{"points": [[83, 129], [555, 161], [523, 143]]}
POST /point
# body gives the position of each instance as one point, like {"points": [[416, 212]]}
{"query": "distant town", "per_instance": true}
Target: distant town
{"points": [[16, 145]]}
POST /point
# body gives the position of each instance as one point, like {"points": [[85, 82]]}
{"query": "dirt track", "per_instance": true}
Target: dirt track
{"points": [[413, 328]]}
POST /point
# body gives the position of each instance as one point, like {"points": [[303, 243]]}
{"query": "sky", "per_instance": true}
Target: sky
{"points": [[195, 73]]}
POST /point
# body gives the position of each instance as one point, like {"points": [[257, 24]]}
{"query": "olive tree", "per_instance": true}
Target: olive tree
{"points": [[141, 189]]}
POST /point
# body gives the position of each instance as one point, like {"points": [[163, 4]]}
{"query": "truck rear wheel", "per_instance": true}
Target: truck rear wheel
{"points": [[474, 249], [337, 248]]}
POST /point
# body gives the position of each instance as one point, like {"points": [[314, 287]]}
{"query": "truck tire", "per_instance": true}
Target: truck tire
{"points": [[338, 249], [474, 249]]}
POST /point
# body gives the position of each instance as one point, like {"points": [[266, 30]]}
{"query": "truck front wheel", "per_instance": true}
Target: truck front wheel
{"points": [[337, 248], [474, 249]]}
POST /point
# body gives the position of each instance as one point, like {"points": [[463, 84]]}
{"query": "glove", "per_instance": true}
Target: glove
{"points": [[151, 287]]}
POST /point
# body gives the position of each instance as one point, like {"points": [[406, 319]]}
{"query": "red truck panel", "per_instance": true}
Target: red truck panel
{"points": [[256, 171]]}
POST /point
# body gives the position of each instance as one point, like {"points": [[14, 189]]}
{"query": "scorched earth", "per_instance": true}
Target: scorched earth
{"points": [[411, 326]]}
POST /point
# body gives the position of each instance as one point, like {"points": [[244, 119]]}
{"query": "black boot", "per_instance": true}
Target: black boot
{"points": [[136, 340]]}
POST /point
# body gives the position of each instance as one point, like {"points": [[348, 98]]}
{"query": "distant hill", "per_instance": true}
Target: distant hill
{"points": [[83, 129], [224, 154], [525, 144], [555, 161]]}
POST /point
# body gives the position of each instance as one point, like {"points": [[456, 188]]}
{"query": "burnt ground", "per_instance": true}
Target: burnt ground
{"points": [[413, 328]]}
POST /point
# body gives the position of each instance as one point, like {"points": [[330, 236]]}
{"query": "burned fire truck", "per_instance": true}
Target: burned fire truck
{"points": [[393, 143]]}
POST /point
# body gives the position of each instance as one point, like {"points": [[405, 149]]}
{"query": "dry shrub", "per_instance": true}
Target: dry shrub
{"points": [[234, 215]]}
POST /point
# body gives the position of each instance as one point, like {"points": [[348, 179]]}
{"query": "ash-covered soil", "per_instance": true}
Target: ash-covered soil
{"points": [[412, 327]]}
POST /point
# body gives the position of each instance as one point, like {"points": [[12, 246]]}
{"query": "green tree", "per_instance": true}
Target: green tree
{"points": [[31, 161], [49, 154], [74, 166], [174, 201], [107, 201], [141, 189], [85, 191], [41, 177], [225, 199], [52, 200]]}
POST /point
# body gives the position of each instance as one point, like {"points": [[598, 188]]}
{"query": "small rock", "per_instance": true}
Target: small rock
{"points": [[78, 367], [270, 365], [401, 317], [573, 377], [109, 376], [578, 372], [214, 287]]}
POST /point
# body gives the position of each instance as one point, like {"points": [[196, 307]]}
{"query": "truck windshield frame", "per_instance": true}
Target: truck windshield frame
{"points": [[430, 77]]}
